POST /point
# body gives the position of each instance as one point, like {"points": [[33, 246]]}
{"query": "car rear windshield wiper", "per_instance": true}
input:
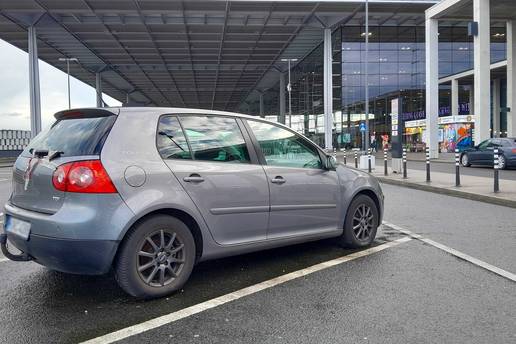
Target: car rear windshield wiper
{"points": [[55, 155], [171, 138], [38, 153]]}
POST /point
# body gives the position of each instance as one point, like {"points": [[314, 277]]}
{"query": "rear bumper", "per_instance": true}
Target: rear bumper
{"points": [[88, 257]]}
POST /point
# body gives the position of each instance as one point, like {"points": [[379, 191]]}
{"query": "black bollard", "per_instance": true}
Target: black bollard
{"points": [[457, 167], [385, 162], [427, 164], [496, 175], [369, 160], [404, 163], [345, 159], [356, 160]]}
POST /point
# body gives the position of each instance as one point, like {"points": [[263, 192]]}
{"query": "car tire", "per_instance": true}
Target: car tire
{"points": [[165, 269], [464, 160], [502, 162], [357, 231]]}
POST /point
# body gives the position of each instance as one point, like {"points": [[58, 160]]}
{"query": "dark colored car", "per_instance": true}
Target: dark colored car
{"points": [[483, 154]]}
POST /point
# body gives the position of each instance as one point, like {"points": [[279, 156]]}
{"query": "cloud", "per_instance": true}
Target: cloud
{"points": [[14, 92]]}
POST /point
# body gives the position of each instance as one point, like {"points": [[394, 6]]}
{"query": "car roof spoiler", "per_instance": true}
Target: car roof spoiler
{"points": [[86, 113]]}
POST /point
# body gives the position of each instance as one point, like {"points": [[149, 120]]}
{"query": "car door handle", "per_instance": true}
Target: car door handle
{"points": [[278, 180], [193, 178]]}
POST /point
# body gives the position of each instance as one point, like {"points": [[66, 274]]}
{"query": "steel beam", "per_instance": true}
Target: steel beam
{"points": [[34, 90], [282, 106], [98, 89], [261, 105], [454, 97], [495, 131], [328, 90]]}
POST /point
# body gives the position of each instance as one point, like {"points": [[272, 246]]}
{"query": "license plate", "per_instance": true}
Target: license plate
{"points": [[17, 227]]}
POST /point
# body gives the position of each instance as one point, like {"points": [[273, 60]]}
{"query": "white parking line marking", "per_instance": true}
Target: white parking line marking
{"points": [[184, 313], [2, 259], [452, 251], [3, 180]]}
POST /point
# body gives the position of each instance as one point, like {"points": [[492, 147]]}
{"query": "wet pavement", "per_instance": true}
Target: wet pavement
{"points": [[408, 293]]}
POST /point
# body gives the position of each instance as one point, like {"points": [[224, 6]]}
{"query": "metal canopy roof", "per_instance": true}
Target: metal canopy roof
{"points": [[204, 54], [462, 10]]}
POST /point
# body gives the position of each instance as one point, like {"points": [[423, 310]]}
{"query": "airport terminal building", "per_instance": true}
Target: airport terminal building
{"points": [[396, 63], [240, 55]]}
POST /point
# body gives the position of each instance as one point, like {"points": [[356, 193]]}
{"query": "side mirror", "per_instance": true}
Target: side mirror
{"points": [[330, 163]]}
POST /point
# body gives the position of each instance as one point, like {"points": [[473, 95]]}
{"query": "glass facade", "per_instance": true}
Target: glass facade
{"points": [[396, 68]]}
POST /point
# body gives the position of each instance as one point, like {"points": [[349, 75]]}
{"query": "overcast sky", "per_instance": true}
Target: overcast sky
{"points": [[14, 90]]}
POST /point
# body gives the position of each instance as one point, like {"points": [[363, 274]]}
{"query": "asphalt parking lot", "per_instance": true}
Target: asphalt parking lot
{"points": [[403, 290]]}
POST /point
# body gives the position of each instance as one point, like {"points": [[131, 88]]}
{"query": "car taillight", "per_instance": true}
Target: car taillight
{"points": [[84, 177], [514, 150]]}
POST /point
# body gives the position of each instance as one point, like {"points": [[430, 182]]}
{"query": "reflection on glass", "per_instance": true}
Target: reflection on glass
{"points": [[171, 140], [214, 138], [283, 148], [74, 137]]}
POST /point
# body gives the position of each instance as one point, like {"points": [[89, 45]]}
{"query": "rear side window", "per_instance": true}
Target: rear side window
{"points": [[214, 138], [74, 136], [171, 140]]}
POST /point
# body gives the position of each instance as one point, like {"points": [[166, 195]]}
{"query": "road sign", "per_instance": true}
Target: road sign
{"points": [[362, 127]]}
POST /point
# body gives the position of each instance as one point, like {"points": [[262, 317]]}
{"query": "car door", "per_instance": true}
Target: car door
{"points": [[219, 170], [304, 197], [486, 153], [478, 155]]}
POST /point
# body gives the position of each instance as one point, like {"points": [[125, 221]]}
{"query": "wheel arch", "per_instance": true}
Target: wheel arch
{"points": [[179, 214], [371, 194]]}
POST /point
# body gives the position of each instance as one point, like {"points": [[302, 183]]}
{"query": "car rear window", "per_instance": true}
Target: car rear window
{"points": [[74, 136]]}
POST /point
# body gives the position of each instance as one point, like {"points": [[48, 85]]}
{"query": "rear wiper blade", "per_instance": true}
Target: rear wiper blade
{"points": [[40, 153], [55, 155], [171, 138]]}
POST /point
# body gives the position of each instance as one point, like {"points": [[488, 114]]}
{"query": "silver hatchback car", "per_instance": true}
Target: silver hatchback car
{"points": [[149, 192]]}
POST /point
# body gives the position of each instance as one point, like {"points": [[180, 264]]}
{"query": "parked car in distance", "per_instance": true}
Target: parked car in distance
{"points": [[149, 192], [483, 154]]}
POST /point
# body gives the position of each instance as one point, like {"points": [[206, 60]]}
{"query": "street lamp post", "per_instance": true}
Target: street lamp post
{"points": [[367, 143], [289, 89], [68, 60]]}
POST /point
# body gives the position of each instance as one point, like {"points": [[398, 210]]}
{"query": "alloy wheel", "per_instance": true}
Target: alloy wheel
{"points": [[363, 222], [501, 162], [160, 258], [464, 160]]}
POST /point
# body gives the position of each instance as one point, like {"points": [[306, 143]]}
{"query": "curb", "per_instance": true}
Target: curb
{"points": [[432, 161], [450, 192]]}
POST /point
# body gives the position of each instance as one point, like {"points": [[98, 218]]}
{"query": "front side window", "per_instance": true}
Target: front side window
{"points": [[171, 140], [214, 138], [484, 144], [284, 148]]}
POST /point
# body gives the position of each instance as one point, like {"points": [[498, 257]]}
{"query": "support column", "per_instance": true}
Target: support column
{"points": [[511, 78], [432, 86], [454, 110], [482, 70], [282, 87], [261, 106], [98, 89], [35, 99], [496, 108], [471, 90], [328, 91]]}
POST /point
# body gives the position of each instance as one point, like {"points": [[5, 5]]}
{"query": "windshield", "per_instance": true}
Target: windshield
{"points": [[73, 137]]}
